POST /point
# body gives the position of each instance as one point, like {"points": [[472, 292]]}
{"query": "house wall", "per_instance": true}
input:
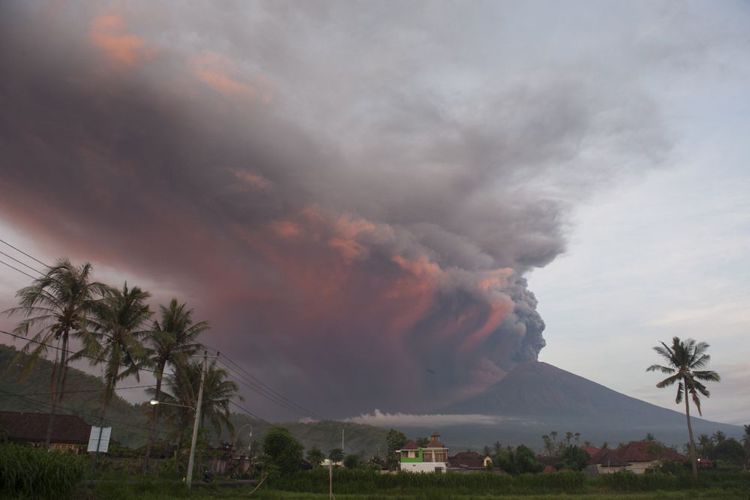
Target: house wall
{"points": [[640, 467], [424, 467], [635, 467]]}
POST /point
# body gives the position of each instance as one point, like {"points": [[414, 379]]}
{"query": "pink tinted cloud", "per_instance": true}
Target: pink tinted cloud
{"points": [[107, 33], [220, 74]]}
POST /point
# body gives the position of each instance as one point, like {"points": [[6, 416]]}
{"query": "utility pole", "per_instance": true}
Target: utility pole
{"points": [[196, 424], [342, 440], [330, 479]]}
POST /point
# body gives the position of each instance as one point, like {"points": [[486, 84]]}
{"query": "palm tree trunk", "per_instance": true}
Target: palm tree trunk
{"points": [[690, 432], [154, 416], [58, 375]]}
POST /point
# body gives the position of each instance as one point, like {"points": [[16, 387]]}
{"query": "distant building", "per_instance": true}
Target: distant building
{"points": [[69, 432], [636, 457], [467, 461], [432, 457]]}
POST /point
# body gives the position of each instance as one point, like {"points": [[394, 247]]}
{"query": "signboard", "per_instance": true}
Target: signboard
{"points": [[97, 444]]}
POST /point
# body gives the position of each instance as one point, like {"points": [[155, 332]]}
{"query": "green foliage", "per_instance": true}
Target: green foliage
{"points": [[395, 440], [282, 450], [315, 456], [336, 455], [35, 473], [118, 323], [363, 481], [574, 458], [352, 461], [520, 460], [553, 447], [731, 451], [81, 397]]}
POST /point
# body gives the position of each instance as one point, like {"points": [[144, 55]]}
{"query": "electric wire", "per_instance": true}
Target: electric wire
{"points": [[247, 378], [24, 253]]}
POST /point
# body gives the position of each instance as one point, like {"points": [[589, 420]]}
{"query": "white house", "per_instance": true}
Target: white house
{"points": [[433, 457]]}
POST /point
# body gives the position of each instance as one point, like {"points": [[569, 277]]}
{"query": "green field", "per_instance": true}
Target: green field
{"points": [[308, 485]]}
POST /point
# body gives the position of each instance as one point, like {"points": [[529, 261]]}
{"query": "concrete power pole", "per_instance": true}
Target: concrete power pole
{"points": [[196, 424]]}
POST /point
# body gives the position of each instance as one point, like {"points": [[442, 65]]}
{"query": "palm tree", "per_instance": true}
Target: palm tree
{"points": [[171, 341], [118, 321], [184, 384], [55, 307], [685, 358]]}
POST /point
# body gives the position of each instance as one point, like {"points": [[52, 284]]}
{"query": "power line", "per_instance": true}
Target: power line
{"points": [[67, 351], [21, 262], [248, 412], [244, 376], [16, 269], [271, 394], [21, 251], [76, 391]]}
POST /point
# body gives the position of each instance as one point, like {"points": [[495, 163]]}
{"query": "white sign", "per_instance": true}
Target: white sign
{"points": [[97, 442]]}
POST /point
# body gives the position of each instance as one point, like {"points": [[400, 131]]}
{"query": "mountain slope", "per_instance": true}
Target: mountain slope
{"points": [[83, 396], [538, 397]]}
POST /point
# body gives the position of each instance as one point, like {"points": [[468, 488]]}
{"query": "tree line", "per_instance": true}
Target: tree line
{"points": [[115, 327]]}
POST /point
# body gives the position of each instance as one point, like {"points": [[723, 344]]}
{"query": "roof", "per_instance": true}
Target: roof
{"points": [[32, 427], [467, 460], [434, 442], [635, 451], [591, 450], [410, 445]]}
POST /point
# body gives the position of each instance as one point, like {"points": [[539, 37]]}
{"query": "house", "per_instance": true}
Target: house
{"points": [[467, 461], [69, 432], [636, 457], [432, 457]]}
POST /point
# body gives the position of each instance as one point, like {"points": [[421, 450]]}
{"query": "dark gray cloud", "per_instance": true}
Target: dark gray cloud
{"points": [[351, 193]]}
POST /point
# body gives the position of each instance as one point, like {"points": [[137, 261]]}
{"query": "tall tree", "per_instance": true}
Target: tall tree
{"points": [[118, 323], [171, 341], [56, 308], [283, 450], [184, 384], [685, 360], [395, 440]]}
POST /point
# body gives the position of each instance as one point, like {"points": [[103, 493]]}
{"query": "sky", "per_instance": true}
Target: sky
{"points": [[389, 205]]}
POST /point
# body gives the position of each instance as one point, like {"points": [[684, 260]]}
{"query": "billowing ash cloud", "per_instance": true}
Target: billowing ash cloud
{"points": [[352, 196]]}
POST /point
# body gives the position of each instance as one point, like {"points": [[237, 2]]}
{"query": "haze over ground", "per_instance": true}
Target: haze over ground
{"points": [[354, 194]]}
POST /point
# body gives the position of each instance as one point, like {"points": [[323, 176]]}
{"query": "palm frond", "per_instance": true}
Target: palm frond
{"points": [[669, 381], [709, 375], [663, 369]]}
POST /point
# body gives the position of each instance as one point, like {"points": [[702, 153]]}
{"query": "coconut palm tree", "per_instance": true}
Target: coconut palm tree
{"points": [[118, 323], [171, 341], [56, 308], [180, 402], [685, 358]]}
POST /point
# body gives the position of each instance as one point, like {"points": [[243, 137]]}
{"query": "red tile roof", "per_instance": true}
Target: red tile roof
{"points": [[591, 450], [635, 451], [410, 445], [435, 442], [32, 427], [467, 460]]}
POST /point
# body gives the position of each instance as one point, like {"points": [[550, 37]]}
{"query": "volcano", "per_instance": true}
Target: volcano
{"points": [[536, 398]]}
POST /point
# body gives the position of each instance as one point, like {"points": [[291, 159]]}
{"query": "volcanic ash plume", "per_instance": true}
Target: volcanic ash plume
{"points": [[360, 249]]}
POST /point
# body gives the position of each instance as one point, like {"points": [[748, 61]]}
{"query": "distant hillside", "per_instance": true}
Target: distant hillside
{"points": [[82, 397], [130, 424], [536, 398], [326, 435]]}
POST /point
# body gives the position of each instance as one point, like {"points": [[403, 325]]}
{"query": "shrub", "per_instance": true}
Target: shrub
{"points": [[38, 473], [283, 450]]}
